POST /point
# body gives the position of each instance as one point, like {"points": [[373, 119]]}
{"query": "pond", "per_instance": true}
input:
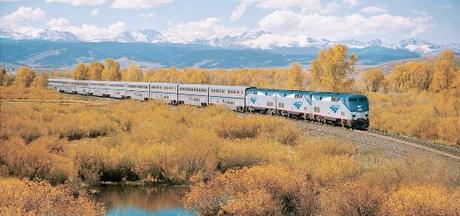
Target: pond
{"points": [[143, 200]]}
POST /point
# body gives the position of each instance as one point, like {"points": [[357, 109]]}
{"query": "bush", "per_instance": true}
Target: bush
{"points": [[236, 192], [351, 198], [22, 197], [422, 200]]}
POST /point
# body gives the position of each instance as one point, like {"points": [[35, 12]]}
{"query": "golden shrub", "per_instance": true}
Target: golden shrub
{"points": [[350, 198], [422, 200], [22, 197]]}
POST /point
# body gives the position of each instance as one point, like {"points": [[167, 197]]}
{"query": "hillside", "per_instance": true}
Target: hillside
{"points": [[65, 54]]}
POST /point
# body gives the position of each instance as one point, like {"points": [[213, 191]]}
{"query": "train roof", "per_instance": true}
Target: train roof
{"points": [[318, 93]]}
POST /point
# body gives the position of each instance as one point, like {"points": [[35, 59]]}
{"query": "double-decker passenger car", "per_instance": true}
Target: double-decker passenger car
{"points": [[232, 97], [116, 89], [164, 91], [97, 88], [82, 87], [62, 85], [193, 94], [137, 90]]}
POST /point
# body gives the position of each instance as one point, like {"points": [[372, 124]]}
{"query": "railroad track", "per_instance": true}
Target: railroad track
{"points": [[392, 144]]}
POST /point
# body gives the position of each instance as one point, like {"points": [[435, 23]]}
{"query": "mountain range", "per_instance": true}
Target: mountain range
{"points": [[150, 48]]}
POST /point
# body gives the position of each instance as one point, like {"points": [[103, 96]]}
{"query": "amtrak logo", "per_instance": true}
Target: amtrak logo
{"points": [[334, 108], [297, 104], [253, 100]]}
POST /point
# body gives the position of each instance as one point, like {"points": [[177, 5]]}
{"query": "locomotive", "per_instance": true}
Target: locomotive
{"points": [[341, 109]]}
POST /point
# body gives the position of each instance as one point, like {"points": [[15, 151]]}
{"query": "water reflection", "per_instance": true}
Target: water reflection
{"points": [[142, 200]]}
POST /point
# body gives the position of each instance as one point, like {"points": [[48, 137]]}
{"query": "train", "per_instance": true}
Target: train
{"points": [[340, 109]]}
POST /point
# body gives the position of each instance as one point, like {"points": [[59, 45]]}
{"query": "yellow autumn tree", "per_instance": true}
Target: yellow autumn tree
{"points": [[2, 76], [411, 75], [149, 75], [373, 79], [295, 77], [24, 77], [132, 73], [444, 71], [95, 71], [40, 81], [111, 70], [195, 75], [80, 72], [331, 67]]}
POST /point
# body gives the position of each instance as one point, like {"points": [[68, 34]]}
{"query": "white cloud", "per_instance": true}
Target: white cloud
{"points": [[446, 6], [419, 12], [147, 15], [351, 2], [78, 2], [95, 12], [337, 27], [138, 4], [205, 28], [88, 32], [58, 23], [21, 14], [306, 6], [240, 9], [373, 10]]}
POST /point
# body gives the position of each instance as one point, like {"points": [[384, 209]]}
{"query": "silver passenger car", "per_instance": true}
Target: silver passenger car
{"points": [[164, 91], [54, 84], [62, 85], [98, 88], [137, 90], [82, 87], [116, 89], [193, 94], [232, 97]]}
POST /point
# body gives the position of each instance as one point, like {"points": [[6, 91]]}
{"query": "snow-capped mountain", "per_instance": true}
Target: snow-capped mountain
{"points": [[374, 43], [10, 34], [232, 41], [53, 35], [418, 46], [251, 39], [142, 36], [352, 43]]}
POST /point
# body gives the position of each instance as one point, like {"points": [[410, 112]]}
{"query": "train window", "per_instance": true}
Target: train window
{"points": [[362, 100], [353, 100], [281, 105], [269, 103], [326, 99]]}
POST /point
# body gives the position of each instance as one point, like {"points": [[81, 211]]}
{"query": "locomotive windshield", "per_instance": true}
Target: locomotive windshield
{"points": [[358, 104]]}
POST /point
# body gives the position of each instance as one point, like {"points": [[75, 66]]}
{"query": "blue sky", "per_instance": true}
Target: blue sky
{"points": [[184, 20]]}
